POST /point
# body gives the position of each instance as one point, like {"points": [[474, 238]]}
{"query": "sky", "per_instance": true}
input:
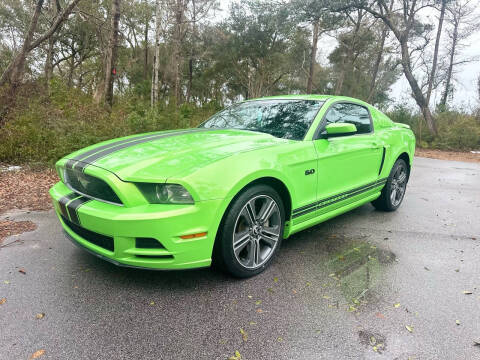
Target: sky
{"points": [[465, 95]]}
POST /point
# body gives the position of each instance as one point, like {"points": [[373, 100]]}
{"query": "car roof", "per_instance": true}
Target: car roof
{"points": [[311, 97]]}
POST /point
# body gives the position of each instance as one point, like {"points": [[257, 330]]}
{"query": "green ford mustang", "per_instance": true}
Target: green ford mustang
{"points": [[230, 190]]}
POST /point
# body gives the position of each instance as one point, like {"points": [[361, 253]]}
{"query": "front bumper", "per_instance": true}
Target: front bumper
{"points": [[118, 228]]}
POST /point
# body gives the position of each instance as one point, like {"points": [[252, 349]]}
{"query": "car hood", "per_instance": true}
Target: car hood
{"points": [[157, 156]]}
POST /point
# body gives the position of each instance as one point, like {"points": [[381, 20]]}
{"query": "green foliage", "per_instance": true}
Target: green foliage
{"points": [[42, 129], [456, 130]]}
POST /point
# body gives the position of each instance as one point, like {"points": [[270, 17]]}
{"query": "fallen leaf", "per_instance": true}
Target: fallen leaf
{"points": [[409, 328], [3, 301], [341, 258], [237, 356], [476, 341], [332, 275], [22, 271], [270, 290], [352, 308], [259, 311], [380, 315], [326, 297], [373, 341], [275, 279], [457, 322], [244, 334], [457, 270], [279, 339], [308, 283], [249, 296], [6, 282], [40, 316], [152, 302], [397, 305], [37, 354], [294, 291], [426, 268], [467, 292], [258, 302], [252, 323]]}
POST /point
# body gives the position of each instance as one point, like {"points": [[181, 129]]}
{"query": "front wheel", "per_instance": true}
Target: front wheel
{"points": [[251, 232], [394, 190]]}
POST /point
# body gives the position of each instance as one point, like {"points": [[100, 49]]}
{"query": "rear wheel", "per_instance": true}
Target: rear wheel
{"points": [[251, 232], [394, 190]]}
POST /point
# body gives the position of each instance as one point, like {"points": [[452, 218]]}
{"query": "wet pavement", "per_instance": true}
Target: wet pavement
{"points": [[365, 285]]}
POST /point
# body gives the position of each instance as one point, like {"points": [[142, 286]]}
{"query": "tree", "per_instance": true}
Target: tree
{"points": [[404, 23], [322, 20], [463, 23], [14, 73]]}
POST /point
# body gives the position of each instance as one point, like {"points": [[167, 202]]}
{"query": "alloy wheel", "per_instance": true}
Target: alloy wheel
{"points": [[398, 185], [257, 231]]}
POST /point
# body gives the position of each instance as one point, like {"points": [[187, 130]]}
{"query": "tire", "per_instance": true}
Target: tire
{"points": [[396, 182], [247, 243]]}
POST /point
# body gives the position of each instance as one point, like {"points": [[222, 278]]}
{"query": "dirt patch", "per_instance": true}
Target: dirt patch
{"points": [[9, 227], [26, 189], [448, 155]]}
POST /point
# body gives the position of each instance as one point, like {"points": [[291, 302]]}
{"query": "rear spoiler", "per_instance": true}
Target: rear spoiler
{"points": [[402, 125]]}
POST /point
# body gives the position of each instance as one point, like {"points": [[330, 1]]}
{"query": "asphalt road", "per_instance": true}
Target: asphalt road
{"points": [[345, 289]]}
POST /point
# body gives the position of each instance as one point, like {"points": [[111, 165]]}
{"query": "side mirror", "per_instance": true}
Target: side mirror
{"points": [[340, 129]]}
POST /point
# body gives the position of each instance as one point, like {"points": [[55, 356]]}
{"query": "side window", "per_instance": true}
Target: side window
{"points": [[350, 113]]}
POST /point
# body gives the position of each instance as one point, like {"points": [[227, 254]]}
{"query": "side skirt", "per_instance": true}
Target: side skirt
{"points": [[324, 217]]}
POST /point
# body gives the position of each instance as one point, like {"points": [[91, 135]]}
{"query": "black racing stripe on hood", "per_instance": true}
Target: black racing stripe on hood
{"points": [[71, 162], [81, 165]]}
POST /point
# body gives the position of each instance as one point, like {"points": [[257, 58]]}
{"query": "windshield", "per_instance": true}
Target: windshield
{"points": [[288, 119]]}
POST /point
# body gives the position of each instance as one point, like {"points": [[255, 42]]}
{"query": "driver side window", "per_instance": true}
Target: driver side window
{"points": [[350, 113]]}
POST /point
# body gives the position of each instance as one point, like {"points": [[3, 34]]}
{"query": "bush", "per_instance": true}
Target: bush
{"points": [[456, 129], [40, 129]]}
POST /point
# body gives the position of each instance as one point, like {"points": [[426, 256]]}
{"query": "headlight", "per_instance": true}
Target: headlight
{"points": [[166, 193]]}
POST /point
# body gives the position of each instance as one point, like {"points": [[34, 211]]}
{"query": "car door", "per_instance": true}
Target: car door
{"points": [[346, 164]]}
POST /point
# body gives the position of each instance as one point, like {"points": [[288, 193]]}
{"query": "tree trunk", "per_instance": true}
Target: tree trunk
{"points": [[192, 52], [431, 78], [14, 72], [446, 91], [111, 56], [378, 61], [49, 61], [54, 9], [177, 46], [313, 55], [145, 65], [417, 92], [156, 58]]}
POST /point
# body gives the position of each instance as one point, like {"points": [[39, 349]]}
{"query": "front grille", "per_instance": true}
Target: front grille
{"points": [[103, 241], [90, 186]]}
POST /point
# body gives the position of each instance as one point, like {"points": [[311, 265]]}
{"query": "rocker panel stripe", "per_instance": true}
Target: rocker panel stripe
{"points": [[336, 198]]}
